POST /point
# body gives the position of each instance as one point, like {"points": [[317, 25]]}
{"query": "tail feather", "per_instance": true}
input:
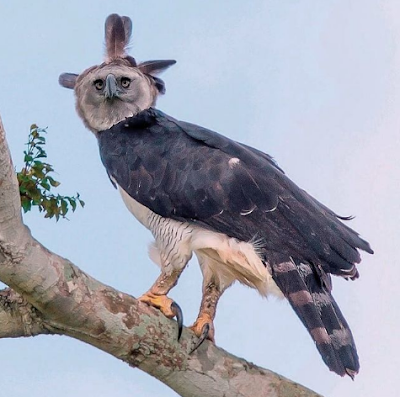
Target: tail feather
{"points": [[320, 314]]}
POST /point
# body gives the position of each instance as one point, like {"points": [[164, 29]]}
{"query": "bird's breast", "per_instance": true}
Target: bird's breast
{"points": [[228, 257]]}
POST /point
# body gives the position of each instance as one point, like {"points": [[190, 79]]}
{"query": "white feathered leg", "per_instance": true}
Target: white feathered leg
{"points": [[214, 284], [172, 265]]}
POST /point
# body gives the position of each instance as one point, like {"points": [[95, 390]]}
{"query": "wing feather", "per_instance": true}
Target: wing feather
{"points": [[188, 173], [182, 171]]}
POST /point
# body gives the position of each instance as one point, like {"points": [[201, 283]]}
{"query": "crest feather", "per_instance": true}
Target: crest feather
{"points": [[127, 22], [155, 67], [118, 31]]}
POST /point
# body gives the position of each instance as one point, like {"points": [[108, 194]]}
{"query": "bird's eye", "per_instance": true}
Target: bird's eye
{"points": [[125, 82], [99, 84]]}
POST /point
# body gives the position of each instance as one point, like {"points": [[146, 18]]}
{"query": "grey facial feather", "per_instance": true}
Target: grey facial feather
{"points": [[68, 80], [99, 112]]}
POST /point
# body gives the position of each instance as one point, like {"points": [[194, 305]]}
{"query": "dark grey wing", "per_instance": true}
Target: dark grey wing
{"points": [[257, 182], [188, 173]]}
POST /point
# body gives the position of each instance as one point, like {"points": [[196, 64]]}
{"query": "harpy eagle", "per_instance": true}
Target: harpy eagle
{"points": [[230, 204]]}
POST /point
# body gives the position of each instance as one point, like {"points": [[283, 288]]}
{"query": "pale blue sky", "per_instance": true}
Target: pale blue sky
{"points": [[315, 84]]}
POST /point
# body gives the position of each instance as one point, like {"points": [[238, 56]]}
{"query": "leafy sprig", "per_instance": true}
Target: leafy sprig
{"points": [[36, 181]]}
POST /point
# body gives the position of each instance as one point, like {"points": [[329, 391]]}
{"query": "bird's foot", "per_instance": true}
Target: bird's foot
{"points": [[204, 329], [167, 307]]}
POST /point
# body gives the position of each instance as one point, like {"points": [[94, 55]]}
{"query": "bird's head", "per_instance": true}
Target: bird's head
{"points": [[118, 88]]}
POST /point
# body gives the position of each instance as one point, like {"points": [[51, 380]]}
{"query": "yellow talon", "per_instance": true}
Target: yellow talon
{"points": [[161, 302], [199, 326]]}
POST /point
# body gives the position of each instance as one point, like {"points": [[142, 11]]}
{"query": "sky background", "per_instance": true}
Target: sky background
{"points": [[316, 84]]}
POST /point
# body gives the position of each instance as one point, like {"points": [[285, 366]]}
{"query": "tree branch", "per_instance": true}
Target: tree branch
{"points": [[54, 296], [18, 317]]}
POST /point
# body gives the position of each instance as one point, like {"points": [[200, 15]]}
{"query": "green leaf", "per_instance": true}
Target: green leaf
{"points": [[38, 173], [36, 183], [45, 185], [72, 201], [35, 194], [64, 207], [53, 182], [39, 165], [26, 204]]}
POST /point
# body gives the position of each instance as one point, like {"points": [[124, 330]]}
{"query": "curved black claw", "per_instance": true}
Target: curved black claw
{"points": [[204, 334], [179, 317]]}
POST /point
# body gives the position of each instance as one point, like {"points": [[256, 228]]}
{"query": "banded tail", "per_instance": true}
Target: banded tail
{"points": [[309, 295]]}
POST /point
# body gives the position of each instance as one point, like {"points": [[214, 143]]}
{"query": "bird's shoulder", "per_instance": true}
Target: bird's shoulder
{"points": [[185, 171], [154, 128]]}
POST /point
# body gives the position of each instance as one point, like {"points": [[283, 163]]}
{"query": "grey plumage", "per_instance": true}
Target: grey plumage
{"points": [[144, 83], [181, 171], [155, 67], [127, 22], [68, 80], [229, 203], [118, 33]]}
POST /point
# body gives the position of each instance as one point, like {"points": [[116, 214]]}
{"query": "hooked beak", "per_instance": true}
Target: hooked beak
{"points": [[111, 89]]}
